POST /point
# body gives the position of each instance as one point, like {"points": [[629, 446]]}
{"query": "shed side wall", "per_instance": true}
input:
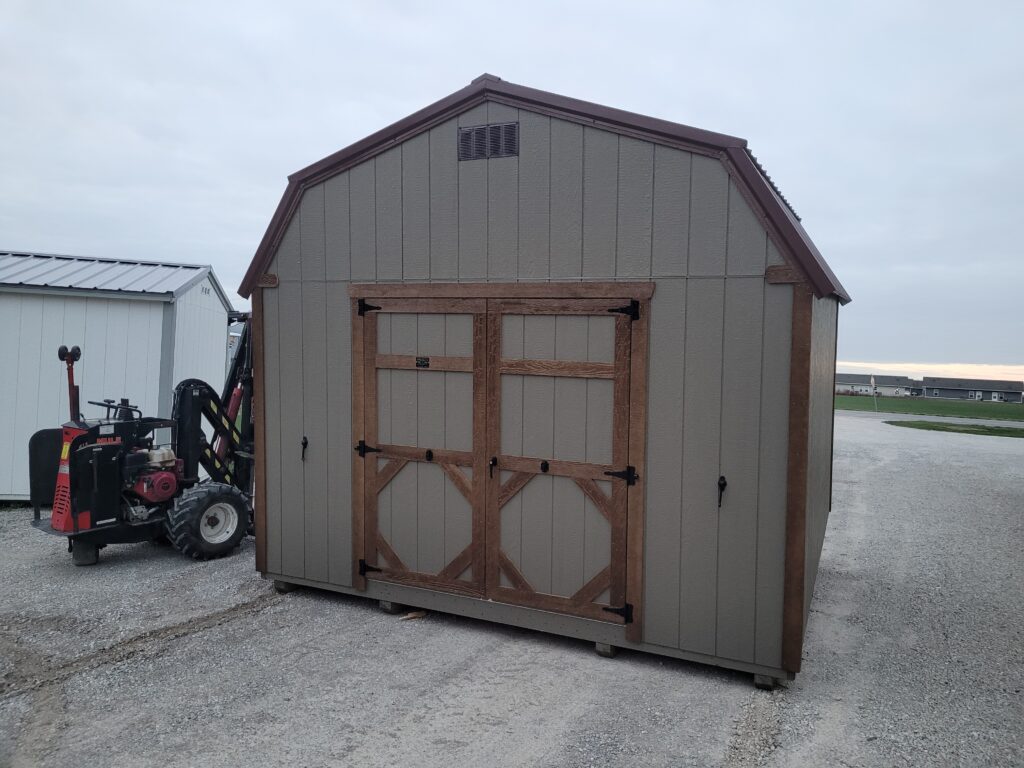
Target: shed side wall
{"points": [[200, 337], [824, 316], [577, 203]]}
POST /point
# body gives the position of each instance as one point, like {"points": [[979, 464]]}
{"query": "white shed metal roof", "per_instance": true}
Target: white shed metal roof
{"points": [[131, 278]]}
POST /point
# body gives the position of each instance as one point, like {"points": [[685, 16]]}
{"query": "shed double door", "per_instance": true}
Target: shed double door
{"points": [[494, 449]]}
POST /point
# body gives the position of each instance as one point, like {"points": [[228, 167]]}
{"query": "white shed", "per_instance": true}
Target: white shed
{"points": [[143, 326]]}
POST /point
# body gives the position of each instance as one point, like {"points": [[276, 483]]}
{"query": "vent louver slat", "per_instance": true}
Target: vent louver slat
{"points": [[480, 142]]}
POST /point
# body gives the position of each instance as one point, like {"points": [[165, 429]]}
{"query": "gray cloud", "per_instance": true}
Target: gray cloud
{"points": [[168, 130]]}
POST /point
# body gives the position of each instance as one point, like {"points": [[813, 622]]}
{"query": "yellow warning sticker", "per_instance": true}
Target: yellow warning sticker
{"points": [[64, 451]]}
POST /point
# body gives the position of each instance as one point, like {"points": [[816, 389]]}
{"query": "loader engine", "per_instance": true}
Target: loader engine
{"points": [[152, 475]]}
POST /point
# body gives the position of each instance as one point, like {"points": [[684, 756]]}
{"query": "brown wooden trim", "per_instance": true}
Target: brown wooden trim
{"points": [[604, 505], [387, 474], [480, 486], [267, 280], [370, 418], [411, 453], [512, 486], [576, 469], [512, 573], [592, 590], [259, 501], [565, 290], [424, 304], [425, 363], [389, 554], [587, 306], [618, 507], [426, 581], [358, 403], [464, 486], [458, 565], [780, 274], [555, 604], [796, 479], [492, 500], [635, 501], [559, 368]]}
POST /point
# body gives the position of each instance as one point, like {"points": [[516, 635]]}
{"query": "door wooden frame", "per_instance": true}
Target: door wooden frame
{"points": [[629, 418]]}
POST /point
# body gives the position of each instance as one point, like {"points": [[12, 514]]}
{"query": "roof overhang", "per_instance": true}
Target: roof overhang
{"points": [[784, 223]]}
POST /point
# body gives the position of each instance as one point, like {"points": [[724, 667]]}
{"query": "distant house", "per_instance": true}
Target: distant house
{"points": [[884, 386], [974, 389]]}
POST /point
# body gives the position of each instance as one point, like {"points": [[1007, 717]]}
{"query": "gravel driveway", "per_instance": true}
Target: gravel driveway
{"points": [[913, 654]]}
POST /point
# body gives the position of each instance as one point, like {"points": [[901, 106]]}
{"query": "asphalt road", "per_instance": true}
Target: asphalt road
{"points": [[913, 653]]}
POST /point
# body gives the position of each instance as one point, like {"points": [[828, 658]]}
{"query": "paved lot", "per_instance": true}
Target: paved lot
{"points": [[913, 654]]}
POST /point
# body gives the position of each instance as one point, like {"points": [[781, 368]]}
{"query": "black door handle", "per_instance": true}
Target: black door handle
{"points": [[305, 444], [491, 465], [722, 482]]}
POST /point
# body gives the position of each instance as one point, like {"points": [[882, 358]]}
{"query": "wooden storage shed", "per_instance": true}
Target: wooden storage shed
{"points": [[534, 360]]}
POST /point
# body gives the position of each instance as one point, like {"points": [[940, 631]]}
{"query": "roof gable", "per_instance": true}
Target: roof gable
{"points": [[732, 151]]}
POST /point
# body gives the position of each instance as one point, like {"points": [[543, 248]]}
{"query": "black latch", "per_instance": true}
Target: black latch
{"points": [[363, 307], [365, 568], [430, 455], [628, 474], [631, 310], [362, 449], [626, 612], [722, 482], [305, 445]]}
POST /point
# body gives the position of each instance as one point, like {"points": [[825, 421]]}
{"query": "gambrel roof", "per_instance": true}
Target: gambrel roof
{"points": [[779, 217]]}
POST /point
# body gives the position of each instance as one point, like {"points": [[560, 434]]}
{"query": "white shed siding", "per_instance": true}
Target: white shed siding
{"points": [[121, 348], [200, 337]]}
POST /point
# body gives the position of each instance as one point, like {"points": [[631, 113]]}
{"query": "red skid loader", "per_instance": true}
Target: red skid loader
{"points": [[126, 477]]}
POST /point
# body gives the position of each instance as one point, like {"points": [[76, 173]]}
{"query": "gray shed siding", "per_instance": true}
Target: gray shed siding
{"points": [[577, 203], [824, 315]]}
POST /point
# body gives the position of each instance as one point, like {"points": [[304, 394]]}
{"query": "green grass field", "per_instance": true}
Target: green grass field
{"points": [[926, 406], [966, 429]]}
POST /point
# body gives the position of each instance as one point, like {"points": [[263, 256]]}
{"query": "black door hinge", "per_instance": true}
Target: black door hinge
{"points": [[626, 612], [362, 449], [631, 310], [365, 568], [363, 307], [628, 474]]}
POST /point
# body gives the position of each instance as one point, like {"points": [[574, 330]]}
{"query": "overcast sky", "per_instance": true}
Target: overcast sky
{"points": [[896, 129]]}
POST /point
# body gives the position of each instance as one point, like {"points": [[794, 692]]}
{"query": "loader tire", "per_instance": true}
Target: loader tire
{"points": [[208, 521]]}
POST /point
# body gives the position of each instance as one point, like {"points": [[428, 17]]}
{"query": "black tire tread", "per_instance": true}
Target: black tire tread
{"points": [[180, 527]]}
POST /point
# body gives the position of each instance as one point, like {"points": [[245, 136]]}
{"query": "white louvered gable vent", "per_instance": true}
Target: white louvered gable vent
{"points": [[495, 140]]}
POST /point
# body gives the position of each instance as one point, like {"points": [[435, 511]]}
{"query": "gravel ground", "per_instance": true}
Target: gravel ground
{"points": [[913, 653]]}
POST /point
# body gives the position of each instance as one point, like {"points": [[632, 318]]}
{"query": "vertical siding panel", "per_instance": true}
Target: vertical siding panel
{"points": [[287, 259], [314, 397], [473, 207], [29, 357], [458, 436], [774, 257], [538, 440], [774, 445], [10, 345], [502, 204], [312, 246], [389, 214], [662, 518], [600, 404], [416, 208], [273, 372], [566, 225], [636, 192], [430, 434], [600, 202], [339, 431], [362, 221], [293, 533], [118, 318], [570, 444], [336, 236], [534, 196], [444, 202], [702, 401], [709, 210], [671, 227], [737, 519], [404, 423], [48, 382], [747, 240]]}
